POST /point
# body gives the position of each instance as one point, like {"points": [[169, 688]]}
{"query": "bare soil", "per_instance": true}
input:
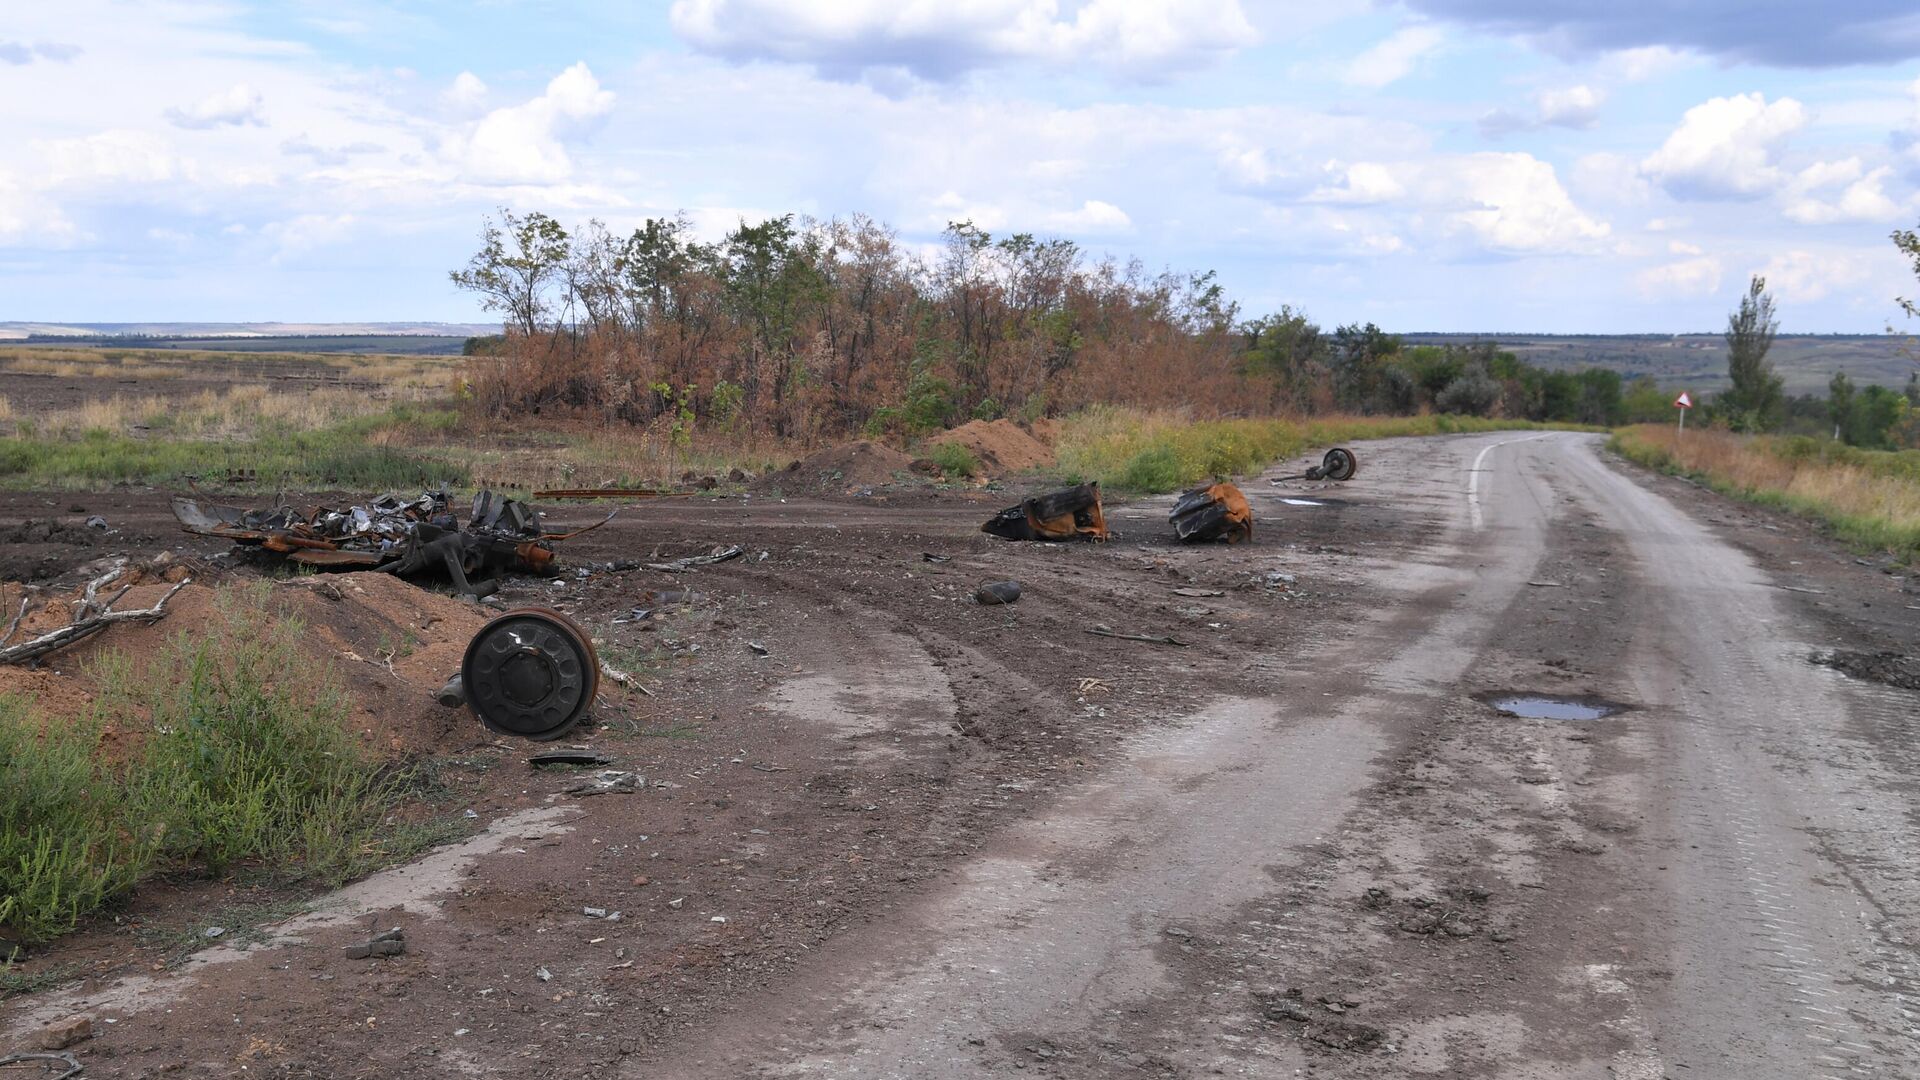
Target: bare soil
{"points": [[1003, 447], [884, 831]]}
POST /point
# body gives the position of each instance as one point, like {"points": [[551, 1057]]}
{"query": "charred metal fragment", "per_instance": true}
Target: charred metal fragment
{"points": [[1219, 512], [1072, 514], [410, 538]]}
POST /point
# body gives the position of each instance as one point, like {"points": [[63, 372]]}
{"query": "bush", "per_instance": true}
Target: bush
{"points": [[954, 459], [1157, 468], [1475, 394]]}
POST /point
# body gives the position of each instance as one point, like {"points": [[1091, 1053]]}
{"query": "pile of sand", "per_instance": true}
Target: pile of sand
{"points": [[391, 644], [1002, 446], [848, 467]]}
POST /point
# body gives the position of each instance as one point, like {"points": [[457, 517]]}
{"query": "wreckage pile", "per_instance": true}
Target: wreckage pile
{"points": [[393, 536]]}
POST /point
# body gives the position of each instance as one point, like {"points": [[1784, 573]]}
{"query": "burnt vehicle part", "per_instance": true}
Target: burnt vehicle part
{"points": [[1072, 514], [501, 535], [1219, 512], [530, 673], [1338, 464]]}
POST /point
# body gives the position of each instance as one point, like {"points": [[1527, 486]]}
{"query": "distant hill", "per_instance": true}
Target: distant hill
{"points": [[1698, 362], [22, 330]]}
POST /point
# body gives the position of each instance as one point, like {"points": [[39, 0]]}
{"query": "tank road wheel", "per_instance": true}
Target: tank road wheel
{"points": [[1339, 464], [531, 673]]}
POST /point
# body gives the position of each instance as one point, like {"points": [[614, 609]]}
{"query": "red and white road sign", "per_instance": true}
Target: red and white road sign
{"points": [[1684, 401]]}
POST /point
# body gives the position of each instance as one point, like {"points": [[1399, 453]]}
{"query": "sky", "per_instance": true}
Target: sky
{"points": [[1441, 165]]}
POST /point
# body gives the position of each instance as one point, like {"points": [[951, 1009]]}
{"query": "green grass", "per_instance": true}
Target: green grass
{"points": [[346, 455], [954, 460], [1130, 451], [235, 764]]}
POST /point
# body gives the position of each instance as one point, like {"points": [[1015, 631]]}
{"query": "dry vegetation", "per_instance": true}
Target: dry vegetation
{"points": [[1870, 498]]}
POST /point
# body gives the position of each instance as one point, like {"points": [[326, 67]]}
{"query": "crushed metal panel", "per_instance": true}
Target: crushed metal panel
{"points": [[1074, 513], [1219, 512]]}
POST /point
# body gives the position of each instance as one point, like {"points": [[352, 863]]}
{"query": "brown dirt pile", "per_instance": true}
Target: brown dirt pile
{"points": [[390, 643], [847, 467], [1002, 446]]}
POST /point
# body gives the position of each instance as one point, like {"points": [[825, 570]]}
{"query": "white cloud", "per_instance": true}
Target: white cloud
{"points": [[111, 158], [466, 93], [1864, 197], [1093, 217], [1610, 179], [524, 144], [1642, 64], [1686, 279], [1571, 107], [304, 233], [1517, 205], [1392, 59], [1681, 247], [27, 216], [942, 41], [1726, 148], [1361, 184], [1807, 276], [237, 105], [20, 53]]}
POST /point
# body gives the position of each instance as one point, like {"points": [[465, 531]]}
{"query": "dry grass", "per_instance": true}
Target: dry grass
{"points": [[245, 411], [437, 373], [1869, 498]]}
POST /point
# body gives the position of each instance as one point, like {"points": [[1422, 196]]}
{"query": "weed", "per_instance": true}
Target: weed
{"points": [[14, 982], [954, 460], [1869, 498]]}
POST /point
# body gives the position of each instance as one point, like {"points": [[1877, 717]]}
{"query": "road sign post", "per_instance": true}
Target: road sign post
{"points": [[1683, 403]]}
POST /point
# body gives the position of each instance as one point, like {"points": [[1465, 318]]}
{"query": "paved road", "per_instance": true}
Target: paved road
{"points": [[1720, 881]]}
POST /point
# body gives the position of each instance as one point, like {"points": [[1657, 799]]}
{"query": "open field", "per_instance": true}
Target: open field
{"points": [[1698, 362]]}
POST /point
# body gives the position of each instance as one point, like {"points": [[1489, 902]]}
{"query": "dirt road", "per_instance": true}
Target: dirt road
{"points": [[1721, 878], [930, 839]]}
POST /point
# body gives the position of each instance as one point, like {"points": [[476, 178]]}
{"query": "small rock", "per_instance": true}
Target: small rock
{"points": [[65, 1033], [998, 592], [758, 649], [543, 974], [640, 879], [1286, 1009], [676, 902]]}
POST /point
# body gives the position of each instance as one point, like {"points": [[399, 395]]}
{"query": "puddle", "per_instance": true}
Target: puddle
{"points": [[1302, 502], [1552, 708]]}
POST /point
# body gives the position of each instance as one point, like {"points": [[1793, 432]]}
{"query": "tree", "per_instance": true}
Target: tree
{"points": [[1908, 241], [1755, 400], [1840, 403], [516, 281]]}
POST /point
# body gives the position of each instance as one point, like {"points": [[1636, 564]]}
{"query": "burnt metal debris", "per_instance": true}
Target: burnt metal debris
{"points": [[1072, 514], [408, 538], [531, 673], [1219, 512], [1338, 463]]}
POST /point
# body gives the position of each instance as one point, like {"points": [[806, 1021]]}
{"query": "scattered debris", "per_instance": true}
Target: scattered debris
{"points": [[1108, 631], [1338, 463], [1275, 578], [405, 538], [1072, 514], [932, 558], [386, 943], [997, 592], [1547, 584], [96, 522], [453, 693], [579, 756], [681, 566], [758, 649], [607, 782], [214, 932], [531, 673], [543, 974], [1888, 668], [1094, 686], [1219, 512], [610, 493], [1198, 592], [72, 1063]]}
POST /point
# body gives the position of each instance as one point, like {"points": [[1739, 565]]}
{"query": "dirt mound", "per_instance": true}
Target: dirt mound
{"points": [[390, 643], [1002, 446], [846, 468]]}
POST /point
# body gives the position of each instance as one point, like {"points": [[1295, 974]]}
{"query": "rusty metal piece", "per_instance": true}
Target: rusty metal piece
{"points": [[1219, 512], [531, 673], [1338, 464], [1072, 514]]}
